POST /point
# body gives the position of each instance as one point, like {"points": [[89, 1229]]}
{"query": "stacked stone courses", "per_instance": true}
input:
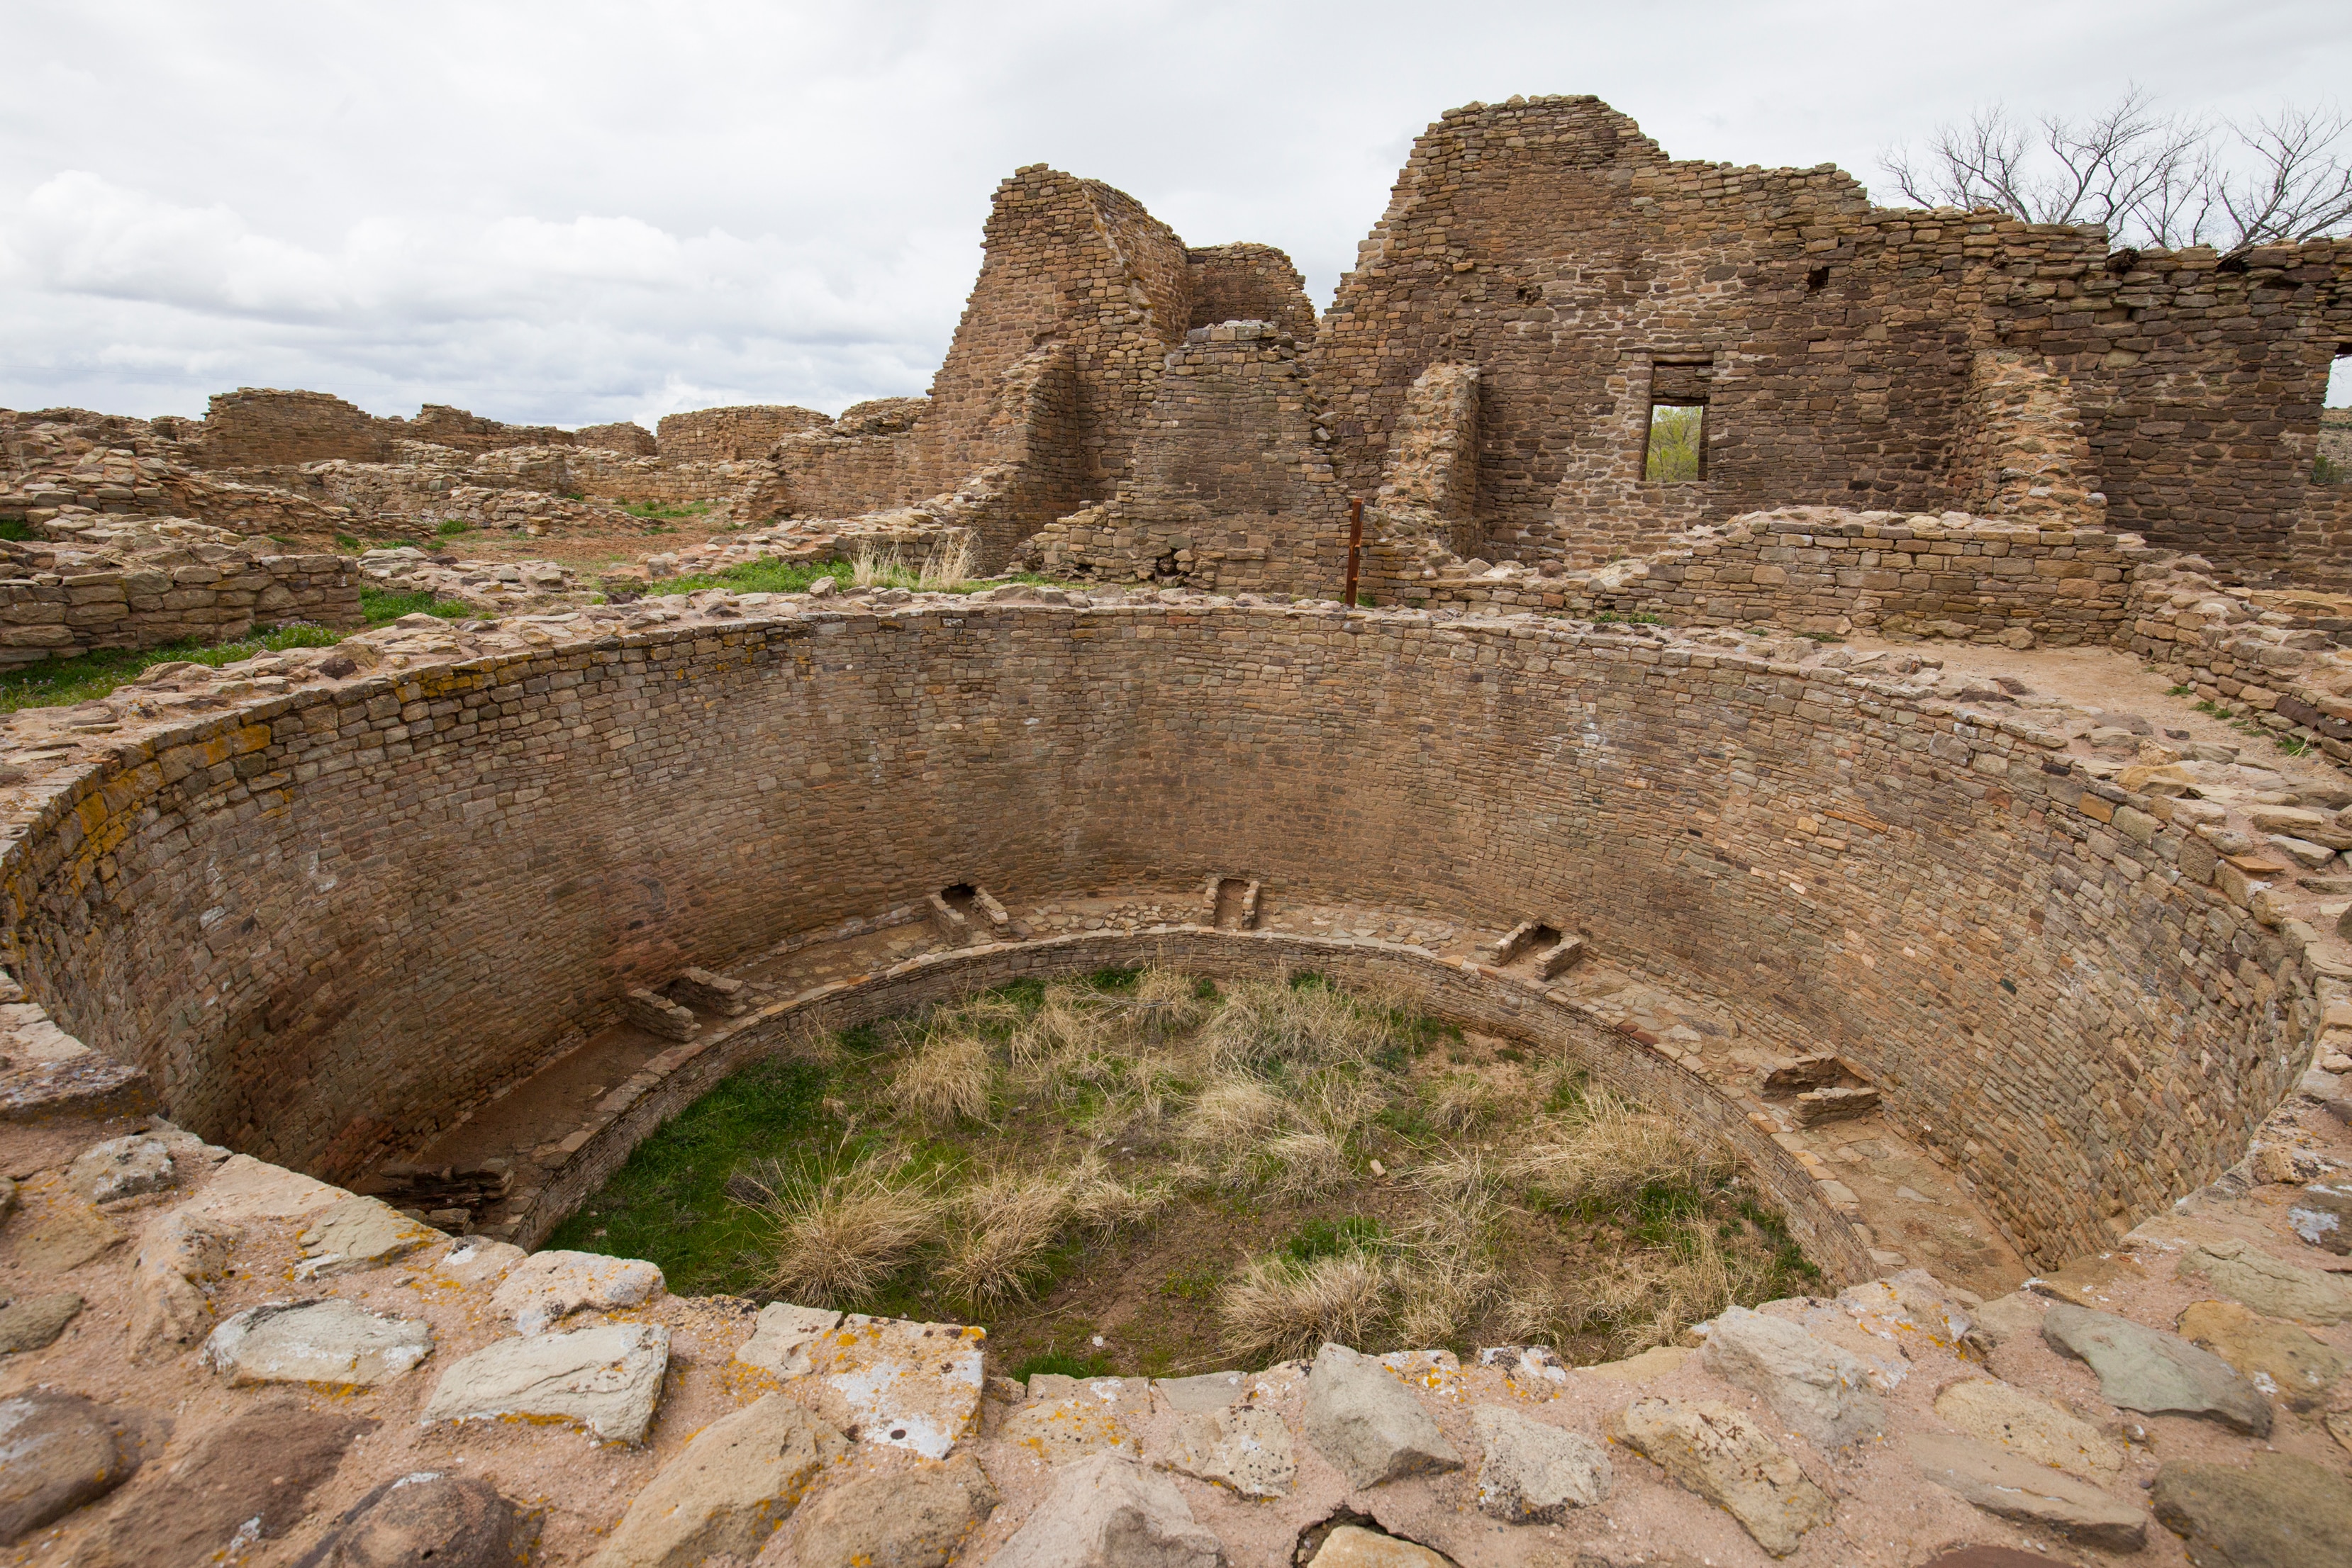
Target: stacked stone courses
{"points": [[329, 922], [1550, 242]]}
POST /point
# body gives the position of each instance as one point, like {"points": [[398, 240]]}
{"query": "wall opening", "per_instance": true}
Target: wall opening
{"points": [[1676, 452], [2333, 463]]}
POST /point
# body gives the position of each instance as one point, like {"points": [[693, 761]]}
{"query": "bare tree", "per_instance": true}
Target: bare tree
{"points": [[2150, 177]]}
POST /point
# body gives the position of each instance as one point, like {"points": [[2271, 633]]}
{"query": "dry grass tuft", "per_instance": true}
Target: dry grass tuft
{"points": [[1010, 1223], [944, 1081], [1612, 1148], [1230, 1118], [950, 564], [1650, 1299], [841, 1233], [1445, 1286], [1465, 1099], [1165, 1004], [1303, 1165], [1277, 1309], [1268, 1025]]}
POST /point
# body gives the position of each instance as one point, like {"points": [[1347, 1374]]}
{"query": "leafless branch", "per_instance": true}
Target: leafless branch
{"points": [[2149, 177]]}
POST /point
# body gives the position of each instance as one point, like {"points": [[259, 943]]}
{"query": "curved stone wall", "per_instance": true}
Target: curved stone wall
{"points": [[329, 921]]}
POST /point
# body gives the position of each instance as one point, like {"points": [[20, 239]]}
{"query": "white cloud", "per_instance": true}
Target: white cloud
{"points": [[595, 210]]}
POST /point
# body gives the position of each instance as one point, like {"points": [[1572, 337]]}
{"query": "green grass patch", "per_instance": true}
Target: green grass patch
{"points": [[13, 528], [1062, 1364], [1332, 1238], [669, 1204], [383, 607], [60, 682], [666, 511]]}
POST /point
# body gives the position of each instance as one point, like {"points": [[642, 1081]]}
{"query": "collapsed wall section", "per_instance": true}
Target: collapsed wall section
{"points": [[260, 427], [731, 434], [329, 922]]}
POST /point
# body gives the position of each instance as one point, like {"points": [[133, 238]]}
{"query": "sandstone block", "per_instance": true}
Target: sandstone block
{"points": [[2156, 1373], [428, 1519], [1715, 1451], [34, 1323], [2275, 1512], [2280, 1358], [1353, 1546], [738, 1478], [906, 1519], [334, 1343], [1534, 1473], [1107, 1511], [1361, 1417], [546, 1286], [169, 1309], [2274, 1287], [358, 1233], [1208, 1391], [2003, 1318], [122, 1167], [1820, 1389], [2012, 1486], [604, 1379], [1060, 1430], [783, 1337], [900, 1383], [1244, 1447], [57, 1453], [2321, 1214], [1994, 1412]]}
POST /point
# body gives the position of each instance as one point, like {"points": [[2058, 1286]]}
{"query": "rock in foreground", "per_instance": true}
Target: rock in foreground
{"points": [[1718, 1453], [1361, 1417]]}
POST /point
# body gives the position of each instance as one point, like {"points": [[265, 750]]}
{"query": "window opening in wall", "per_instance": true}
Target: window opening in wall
{"points": [[1817, 281], [2333, 465], [1677, 449]]}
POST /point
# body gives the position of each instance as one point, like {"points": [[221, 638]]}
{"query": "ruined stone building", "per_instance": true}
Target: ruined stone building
{"points": [[2016, 985]]}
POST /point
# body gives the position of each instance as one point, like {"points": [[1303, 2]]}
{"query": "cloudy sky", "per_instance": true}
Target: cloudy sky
{"points": [[573, 212]]}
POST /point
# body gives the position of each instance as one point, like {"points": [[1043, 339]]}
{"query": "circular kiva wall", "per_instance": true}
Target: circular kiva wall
{"points": [[330, 922]]}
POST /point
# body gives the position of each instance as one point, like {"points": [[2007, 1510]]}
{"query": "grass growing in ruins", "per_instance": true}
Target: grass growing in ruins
{"points": [[1198, 1174], [87, 677], [381, 607], [60, 683]]}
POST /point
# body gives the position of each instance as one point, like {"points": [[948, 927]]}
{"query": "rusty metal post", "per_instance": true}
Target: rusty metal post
{"points": [[1355, 542]]}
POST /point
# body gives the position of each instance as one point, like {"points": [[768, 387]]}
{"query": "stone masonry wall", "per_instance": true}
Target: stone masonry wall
{"points": [[1551, 244], [731, 434], [255, 426], [1231, 491], [327, 920], [46, 614], [1072, 262], [1820, 570], [1247, 282]]}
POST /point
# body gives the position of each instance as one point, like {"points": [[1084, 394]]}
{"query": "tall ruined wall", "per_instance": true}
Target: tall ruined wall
{"points": [[257, 427], [1231, 491], [731, 434], [1072, 261], [1247, 282], [329, 920], [1549, 242]]}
